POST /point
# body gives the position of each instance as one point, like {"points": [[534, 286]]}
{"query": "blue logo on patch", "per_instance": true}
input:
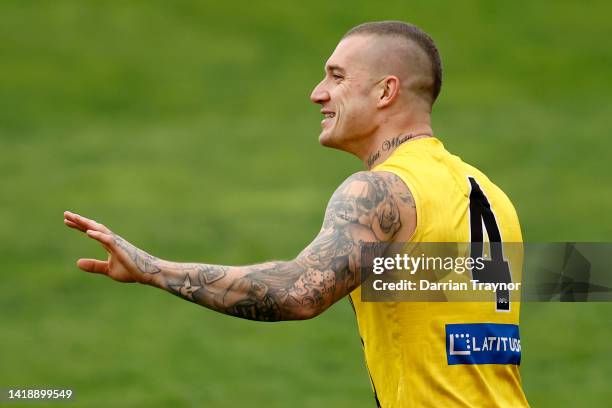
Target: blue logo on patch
{"points": [[483, 343]]}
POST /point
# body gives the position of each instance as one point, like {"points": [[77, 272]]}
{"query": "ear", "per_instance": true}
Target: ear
{"points": [[389, 91]]}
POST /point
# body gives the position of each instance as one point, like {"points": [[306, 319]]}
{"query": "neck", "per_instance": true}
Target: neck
{"points": [[382, 147]]}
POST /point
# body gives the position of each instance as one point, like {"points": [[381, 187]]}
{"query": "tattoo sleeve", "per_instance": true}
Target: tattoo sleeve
{"points": [[367, 207]]}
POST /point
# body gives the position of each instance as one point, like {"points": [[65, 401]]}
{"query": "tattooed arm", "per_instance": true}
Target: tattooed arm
{"points": [[367, 207]]}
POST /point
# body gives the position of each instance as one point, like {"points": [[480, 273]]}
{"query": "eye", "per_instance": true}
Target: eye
{"points": [[337, 77]]}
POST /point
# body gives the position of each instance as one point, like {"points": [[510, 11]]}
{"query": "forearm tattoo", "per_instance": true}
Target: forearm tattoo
{"points": [[367, 207]]}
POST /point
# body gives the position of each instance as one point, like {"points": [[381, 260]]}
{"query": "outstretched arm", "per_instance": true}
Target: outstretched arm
{"points": [[367, 207]]}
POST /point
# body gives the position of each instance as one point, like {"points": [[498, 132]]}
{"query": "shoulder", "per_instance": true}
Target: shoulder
{"points": [[380, 185], [377, 199]]}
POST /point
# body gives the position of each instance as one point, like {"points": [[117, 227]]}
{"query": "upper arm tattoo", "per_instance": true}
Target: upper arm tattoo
{"points": [[367, 207]]}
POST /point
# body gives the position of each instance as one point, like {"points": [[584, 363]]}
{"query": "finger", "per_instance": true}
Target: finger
{"points": [[109, 242], [78, 220], [93, 266], [71, 224], [86, 223], [105, 239]]}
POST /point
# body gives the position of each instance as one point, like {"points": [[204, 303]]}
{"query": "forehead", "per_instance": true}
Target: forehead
{"points": [[350, 52]]}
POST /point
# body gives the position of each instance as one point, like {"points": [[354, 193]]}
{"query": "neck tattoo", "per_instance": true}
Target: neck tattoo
{"points": [[391, 144]]}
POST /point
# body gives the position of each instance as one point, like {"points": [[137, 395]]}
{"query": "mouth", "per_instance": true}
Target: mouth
{"points": [[328, 116]]}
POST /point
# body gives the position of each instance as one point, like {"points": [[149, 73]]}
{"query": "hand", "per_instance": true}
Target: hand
{"points": [[125, 262]]}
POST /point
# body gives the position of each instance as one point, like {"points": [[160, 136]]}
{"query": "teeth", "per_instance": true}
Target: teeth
{"points": [[330, 115]]}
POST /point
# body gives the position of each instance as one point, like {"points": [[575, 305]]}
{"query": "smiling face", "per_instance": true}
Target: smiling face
{"points": [[347, 95]]}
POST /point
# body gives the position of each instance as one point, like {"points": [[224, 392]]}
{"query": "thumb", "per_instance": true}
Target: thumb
{"points": [[93, 266]]}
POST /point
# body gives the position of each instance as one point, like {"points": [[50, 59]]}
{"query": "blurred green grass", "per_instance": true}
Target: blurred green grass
{"points": [[186, 127]]}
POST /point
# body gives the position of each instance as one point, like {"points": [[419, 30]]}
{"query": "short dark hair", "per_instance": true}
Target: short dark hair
{"points": [[409, 32]]}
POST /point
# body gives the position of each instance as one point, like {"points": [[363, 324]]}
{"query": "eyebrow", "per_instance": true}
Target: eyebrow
{"points": [[329, 68]]}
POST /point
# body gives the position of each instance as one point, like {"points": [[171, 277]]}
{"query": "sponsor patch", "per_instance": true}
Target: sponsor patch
{"points": [[483, 343]]}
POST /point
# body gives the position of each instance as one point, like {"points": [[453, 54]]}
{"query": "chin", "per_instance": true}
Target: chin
{"points": [[325, 139], [328, 139]]}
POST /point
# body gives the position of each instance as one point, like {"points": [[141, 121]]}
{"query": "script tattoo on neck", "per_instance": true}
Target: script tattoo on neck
{"points": [[391, 144]]}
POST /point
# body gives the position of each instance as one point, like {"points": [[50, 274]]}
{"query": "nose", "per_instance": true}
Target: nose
{"points": [[319, 93]]}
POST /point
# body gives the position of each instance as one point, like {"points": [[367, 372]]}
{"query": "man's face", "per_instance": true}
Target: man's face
{"points": [[347, 94]]}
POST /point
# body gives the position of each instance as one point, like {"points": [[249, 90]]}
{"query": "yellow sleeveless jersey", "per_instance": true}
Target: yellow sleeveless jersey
{"points": [[420, 354]]}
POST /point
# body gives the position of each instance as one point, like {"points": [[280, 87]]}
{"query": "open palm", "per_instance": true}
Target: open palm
{"points": [[125, 262]]}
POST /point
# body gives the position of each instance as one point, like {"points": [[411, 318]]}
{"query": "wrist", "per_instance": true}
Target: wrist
{"points": [[157, 278]]}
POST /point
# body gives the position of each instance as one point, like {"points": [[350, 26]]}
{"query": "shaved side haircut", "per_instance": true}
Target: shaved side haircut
{"points": [[410, 33]]}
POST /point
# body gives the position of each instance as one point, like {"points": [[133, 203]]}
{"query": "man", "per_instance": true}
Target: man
{"points": [[376, 98]]}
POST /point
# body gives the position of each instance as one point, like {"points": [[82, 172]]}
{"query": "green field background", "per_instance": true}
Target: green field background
{"points": [[186, 127]]}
